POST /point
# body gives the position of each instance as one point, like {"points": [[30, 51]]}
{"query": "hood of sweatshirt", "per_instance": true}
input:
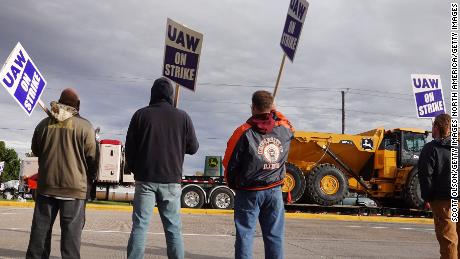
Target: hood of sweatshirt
{"points": [[445, 142], [262, 123], [162, 90], [62, 112]]}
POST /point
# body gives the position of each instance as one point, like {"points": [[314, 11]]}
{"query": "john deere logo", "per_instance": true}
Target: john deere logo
{"points": [[213, 162], [367, 144]]}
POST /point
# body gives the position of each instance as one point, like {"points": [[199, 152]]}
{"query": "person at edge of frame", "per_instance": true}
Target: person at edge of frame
{"points": [[435, 180]]}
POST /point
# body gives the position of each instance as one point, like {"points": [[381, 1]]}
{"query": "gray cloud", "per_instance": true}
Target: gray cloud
{"points": [[111, 51]]}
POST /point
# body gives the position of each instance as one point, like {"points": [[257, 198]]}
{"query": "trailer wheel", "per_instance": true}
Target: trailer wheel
{"points": [[412, 193], [222, 198], [294, 182], [327, 185], [192, 197]]}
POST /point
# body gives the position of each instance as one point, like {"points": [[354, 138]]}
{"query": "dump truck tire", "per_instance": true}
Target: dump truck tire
{"points": [[413, 195], [326, 185], [192, 197], [294, 183]]}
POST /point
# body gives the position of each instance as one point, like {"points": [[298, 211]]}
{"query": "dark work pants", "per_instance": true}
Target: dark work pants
{"points": [[72, 219]]}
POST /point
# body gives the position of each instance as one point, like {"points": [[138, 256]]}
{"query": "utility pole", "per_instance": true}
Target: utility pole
{"points": [[343, 112]]}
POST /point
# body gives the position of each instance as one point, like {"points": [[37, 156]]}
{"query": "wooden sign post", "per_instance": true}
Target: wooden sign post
{"points": [[176, 96], [279, 75]]}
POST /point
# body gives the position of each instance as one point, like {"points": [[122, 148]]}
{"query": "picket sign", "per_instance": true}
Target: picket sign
{"points": [[181, 56], [22, 79], [429, 100], [295, 18]]}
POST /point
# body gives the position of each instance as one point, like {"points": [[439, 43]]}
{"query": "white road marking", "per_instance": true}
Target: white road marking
{"points": [[153, 233], [13, 209], [105, 231], [193, 234], [208, 235], [23, 229], [128, 232]]}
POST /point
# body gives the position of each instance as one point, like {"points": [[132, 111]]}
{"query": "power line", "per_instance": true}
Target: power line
{"points": [[248, 113], [377, 91], [383, 114], [21, 129], [383, 96], [134, 79]]}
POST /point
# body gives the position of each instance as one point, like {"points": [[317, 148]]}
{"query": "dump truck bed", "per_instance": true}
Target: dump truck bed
{"points": [[308, 148]]}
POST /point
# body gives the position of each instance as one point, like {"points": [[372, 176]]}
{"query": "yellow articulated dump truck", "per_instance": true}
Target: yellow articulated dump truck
{"points": [[323, 168]]}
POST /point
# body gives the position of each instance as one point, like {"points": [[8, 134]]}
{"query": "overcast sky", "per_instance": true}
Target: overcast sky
{"points": [[111, 51]]}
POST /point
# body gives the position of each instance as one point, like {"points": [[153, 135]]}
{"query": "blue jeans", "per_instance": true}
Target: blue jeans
{"points": [[167, 197], [268, 206]]}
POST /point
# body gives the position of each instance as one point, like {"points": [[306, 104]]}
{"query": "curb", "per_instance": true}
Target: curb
{"points": [[379, 219], [331, 217], [17, 204]]}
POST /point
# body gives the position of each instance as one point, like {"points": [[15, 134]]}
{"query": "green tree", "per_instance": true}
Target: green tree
{"points": [[11, 169]]}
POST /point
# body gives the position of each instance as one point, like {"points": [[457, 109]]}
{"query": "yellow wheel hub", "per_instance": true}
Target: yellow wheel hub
{"points": [[329, 184], [289, 183]]}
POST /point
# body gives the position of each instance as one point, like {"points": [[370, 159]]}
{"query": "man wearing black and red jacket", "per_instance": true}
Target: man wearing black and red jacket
{"points": [[255, 168]]}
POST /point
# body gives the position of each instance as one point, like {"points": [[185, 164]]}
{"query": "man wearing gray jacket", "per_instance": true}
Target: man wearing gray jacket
{"points": [[65, 144]]}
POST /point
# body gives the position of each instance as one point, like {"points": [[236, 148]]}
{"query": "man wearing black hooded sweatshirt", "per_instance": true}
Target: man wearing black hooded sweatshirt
{"points": [[255, 168], [434, 176], [158, 137]]}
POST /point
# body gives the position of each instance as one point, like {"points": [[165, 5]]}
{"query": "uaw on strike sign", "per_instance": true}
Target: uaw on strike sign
{"points": [[428, 95], [21, 78], [293, 27], [182, 54]]}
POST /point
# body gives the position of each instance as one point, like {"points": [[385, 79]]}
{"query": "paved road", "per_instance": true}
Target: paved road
{"points": [[212, 236]]}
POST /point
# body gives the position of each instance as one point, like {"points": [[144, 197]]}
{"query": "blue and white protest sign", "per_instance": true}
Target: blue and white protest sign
{"points": [[429, 100], [21, 78], [182, 54], [293, 27]]}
